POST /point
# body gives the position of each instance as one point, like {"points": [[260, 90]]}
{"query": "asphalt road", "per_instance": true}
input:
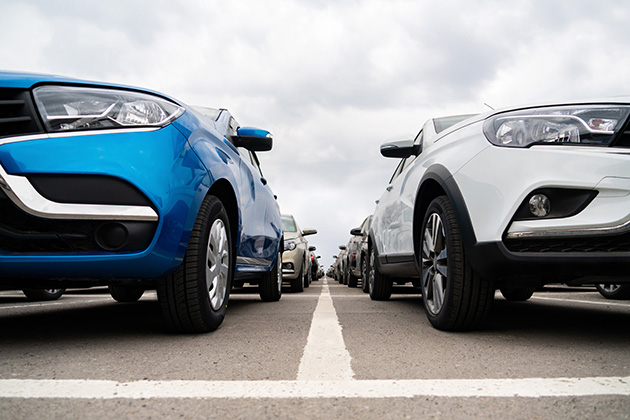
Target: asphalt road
{"points": [[327, 353]]}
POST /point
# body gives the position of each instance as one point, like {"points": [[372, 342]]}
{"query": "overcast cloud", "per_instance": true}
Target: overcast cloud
{"points": [[331, 80]]}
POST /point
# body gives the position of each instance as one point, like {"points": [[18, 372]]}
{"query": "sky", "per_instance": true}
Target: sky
{"points": [[332, 80]]}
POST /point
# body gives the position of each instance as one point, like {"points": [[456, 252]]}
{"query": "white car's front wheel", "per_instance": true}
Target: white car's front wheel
{"points": [[454, 296]]}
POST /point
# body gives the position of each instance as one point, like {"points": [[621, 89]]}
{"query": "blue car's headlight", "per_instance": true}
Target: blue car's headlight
{"points": [[588, 124], [65, 108]]}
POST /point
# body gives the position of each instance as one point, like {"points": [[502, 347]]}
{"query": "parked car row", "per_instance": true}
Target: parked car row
{"points": [[511, 199], [104, 184]]}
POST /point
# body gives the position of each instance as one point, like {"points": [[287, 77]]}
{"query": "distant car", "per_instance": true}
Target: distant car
{"points": [[512, 199], [358, 254], [339, 264], [315, 267], [126, 187], [352, 271], [296, 262]]}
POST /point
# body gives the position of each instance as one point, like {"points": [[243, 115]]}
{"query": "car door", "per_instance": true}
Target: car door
{"points": [[393, 217], [261, 223]]}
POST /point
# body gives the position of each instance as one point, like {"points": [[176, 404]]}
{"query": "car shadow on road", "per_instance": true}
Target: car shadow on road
{"points": [[72, 319], [557, 318], [60, 322]]}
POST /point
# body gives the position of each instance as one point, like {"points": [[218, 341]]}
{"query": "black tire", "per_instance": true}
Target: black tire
{"points": [[297, 286], [454, 296], [353, 281], [345, 276], [364, 275], [614, 291], [125, 292], [41, 295], [518, 295], [194, 298], [308, 278], [270, 285], [379, 286]]}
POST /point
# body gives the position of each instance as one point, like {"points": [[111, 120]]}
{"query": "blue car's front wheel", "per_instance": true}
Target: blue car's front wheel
{"points": [[194, 298]]}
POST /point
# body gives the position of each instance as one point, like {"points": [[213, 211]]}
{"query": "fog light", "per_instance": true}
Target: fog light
{"points": [[539, 205], [111, 236]]}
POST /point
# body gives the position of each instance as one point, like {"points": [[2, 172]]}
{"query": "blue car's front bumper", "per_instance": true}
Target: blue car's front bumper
{"points": [[164, 184]]}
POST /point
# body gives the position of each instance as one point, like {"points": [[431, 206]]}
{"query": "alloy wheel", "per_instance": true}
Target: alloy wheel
{"points": [[434, 264], [218, 264]]}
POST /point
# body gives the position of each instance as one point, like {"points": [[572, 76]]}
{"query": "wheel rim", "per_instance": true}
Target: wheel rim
{"points": [[218, 264], [371, 274], [610, 287], [434, 264]]}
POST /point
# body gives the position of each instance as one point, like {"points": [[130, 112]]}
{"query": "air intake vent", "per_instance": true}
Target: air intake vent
{"points": [[17, 115], [624, 139]]}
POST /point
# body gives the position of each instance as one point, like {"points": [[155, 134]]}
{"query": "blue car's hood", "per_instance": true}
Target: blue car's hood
{"points": [[23, 80], [26, 80]]}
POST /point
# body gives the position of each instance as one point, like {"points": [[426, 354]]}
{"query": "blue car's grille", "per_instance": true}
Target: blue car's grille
{"points": [[22, 233], [17, 114]]}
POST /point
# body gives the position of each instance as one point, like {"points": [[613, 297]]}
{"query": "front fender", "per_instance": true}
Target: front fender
{"points": [[436, 181]]}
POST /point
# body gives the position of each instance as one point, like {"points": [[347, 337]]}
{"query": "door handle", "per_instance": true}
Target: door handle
{"points": [[263, 180], [389, 188]]}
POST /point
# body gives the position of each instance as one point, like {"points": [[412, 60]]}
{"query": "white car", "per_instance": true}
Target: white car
{"points": [[512, 199]]}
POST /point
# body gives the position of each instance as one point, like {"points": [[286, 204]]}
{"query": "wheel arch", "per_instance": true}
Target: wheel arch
{"points": [[222, 189], [437, 181]]}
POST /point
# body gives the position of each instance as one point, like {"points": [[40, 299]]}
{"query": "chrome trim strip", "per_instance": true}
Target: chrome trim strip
{"points": [[252, 261], [30, 137], [25, 196], [578, 148], [619, 229]]}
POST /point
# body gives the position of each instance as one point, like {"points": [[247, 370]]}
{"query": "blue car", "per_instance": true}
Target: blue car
{"points": [[103, 184]]}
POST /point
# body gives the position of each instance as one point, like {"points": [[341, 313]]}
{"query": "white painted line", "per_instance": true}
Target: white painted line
{"points": [[325, 355], [589, 302], [462, 388]]}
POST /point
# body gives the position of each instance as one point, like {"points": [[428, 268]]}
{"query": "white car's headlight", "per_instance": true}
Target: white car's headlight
{"points": [[588, 124], [66, 108], [289, 245]]}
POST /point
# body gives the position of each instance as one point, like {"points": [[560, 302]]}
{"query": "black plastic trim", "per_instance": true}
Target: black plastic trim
{"points": [[88, 189], [398, 266], [493, 260], [444, 178]]}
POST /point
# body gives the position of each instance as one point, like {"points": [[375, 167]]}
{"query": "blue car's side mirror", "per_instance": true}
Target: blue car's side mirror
{"points": [[253, 139]]}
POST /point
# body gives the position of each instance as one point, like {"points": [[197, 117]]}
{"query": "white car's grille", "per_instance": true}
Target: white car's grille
{"points": [[599, 244]]}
